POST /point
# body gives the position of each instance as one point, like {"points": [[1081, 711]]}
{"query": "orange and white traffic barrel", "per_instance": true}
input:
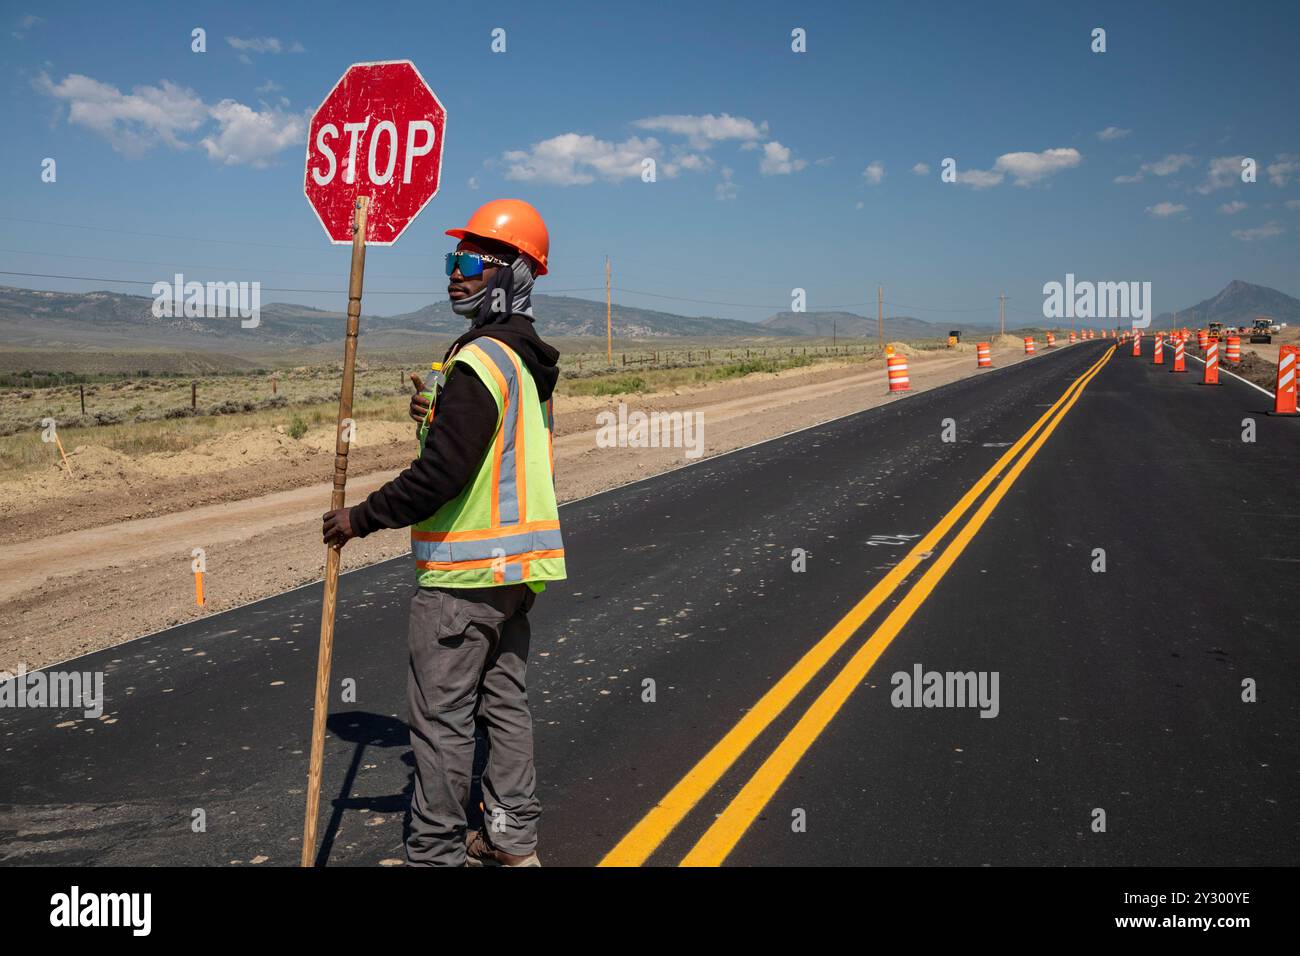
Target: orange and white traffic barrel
{"points": [[1211, 363], [1029, 346], [896, 366], [1180, 355], [1051, 340], [1233, 354], [1071, 338], [1284, 397], [1202, 339], [983, 355], [1158, 357]]}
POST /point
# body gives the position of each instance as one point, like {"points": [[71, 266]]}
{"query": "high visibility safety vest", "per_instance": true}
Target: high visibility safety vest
{"points": [[504, 526]]}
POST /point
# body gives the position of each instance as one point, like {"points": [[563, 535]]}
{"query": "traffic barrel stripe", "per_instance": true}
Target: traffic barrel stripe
{"points": [[1284, 401]]}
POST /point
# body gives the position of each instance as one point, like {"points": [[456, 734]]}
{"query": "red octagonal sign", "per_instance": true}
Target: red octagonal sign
{"points": [[379, 133]]}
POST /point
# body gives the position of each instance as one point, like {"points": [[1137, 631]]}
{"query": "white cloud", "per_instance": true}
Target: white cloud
{"points": [[979, 178], [1161, 167], [1293, 204], [270, 86], [921, 169], [824, 161], [473, 182], [1222, 172], [264, 45], [1029, 168], [726, 189], [25, 24], [1163, 210], [148, 116], [859, 204], [679, 159], [874, 172], [1024, 168], [1232, 208], [1266, 231], [777, 162], [249, 137], [132, 122], [703, 132], [573, 159], [1280, 173], [1112, 133]]}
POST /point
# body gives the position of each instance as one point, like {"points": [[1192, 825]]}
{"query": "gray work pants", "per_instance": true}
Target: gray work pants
{"points": [[469, 655]]}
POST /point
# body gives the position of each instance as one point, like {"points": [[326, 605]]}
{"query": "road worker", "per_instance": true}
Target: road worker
{"points": [[485, 537]]}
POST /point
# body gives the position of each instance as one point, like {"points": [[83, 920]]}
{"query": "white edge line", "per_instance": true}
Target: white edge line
{"points": [[1236, 376], [563, 504]]}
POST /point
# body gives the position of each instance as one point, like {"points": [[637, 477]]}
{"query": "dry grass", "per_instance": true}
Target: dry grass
{"points": [[138, 416]]}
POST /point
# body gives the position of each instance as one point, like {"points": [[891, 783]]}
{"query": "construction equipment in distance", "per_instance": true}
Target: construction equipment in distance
{"points": [[1217, 331], [1262, 330]]}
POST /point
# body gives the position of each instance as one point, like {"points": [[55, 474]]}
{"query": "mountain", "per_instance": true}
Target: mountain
{"points": [[1238, 304], [559, 315], [34, 318], [851, 325]]}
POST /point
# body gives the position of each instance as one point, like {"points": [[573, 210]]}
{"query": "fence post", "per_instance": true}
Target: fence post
{"points": [[83, 398], [194, 396]]}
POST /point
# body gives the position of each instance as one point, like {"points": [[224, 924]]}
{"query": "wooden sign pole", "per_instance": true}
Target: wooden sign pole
{"points": [[332, 554]]}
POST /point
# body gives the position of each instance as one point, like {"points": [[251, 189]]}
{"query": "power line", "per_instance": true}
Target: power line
{"points": [[424, 292]]}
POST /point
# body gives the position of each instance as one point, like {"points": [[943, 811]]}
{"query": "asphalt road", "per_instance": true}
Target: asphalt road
{"points": [[1118, 691]]}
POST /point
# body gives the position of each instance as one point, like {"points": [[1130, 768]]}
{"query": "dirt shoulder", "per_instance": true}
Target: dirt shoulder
{"points": [[89, 562]]}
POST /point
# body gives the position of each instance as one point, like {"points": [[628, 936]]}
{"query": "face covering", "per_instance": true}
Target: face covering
{"points": [[516, 284]]}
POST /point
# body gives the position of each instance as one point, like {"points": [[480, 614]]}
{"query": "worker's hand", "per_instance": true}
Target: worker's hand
{"points": [[419, 403], [337, 528]]}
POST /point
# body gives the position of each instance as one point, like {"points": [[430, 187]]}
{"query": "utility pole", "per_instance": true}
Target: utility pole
{"points": [[1002, 312], [880, 315], [609, 321], [833, 333]]}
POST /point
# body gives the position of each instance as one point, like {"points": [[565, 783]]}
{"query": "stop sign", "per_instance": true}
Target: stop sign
{"points": [[378, 133]]}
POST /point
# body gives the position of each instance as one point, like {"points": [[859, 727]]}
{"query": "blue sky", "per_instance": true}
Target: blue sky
{"points": [[776, 169]]}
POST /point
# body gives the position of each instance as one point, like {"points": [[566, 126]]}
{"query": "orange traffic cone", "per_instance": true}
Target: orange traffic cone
{"points": [[1180, 356], [1137, 344], [1211, 363], [1158, 357], [1284, 398]]}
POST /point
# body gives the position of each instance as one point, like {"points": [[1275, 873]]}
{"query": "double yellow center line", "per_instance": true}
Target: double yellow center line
{"points": [[718, 841]]}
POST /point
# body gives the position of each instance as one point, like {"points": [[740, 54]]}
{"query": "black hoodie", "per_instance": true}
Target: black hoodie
{"points": [[462, 430]]}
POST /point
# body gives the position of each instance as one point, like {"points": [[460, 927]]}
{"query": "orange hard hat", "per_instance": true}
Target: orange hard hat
{"points": [[514, 222]]}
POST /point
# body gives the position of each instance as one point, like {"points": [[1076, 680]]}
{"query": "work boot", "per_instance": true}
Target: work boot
{"points": [[479, 851]]}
